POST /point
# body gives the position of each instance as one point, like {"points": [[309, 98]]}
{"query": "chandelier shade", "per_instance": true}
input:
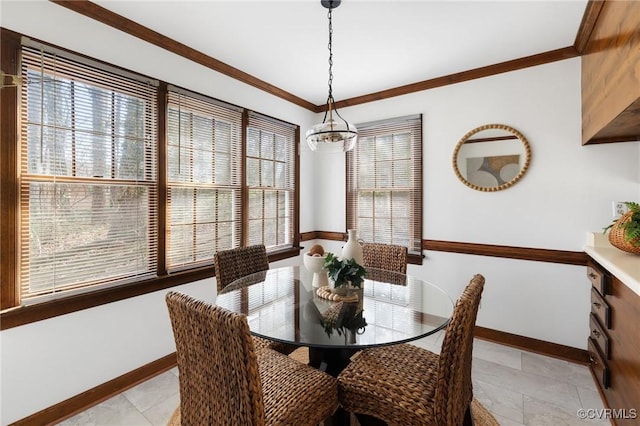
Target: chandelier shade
{"points": [[334, 134]]}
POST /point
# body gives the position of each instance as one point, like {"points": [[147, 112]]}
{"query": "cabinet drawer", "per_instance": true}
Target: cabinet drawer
{"points": [[599, 336], [600, 308], [598, 365], [598, 278]]}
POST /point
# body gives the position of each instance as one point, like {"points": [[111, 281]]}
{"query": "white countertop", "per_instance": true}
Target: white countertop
{"points": [[624, 266]]}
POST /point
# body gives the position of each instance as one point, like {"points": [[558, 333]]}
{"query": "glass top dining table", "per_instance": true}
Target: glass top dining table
{"points": [[282, 305]]}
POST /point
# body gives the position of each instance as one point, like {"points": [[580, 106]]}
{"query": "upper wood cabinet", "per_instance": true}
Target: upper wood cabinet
{"points": [[611, 75]]}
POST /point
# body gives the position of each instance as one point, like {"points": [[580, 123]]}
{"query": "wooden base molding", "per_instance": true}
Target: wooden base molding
{"points": [[85, 400], [555, 350], [523, 253], [100, 393]]}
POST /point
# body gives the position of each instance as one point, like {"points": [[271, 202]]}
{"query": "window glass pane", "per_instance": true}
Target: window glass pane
{"points": [[71, 226], [202, 149], [253, 172], [382, 232], [384, 195], [180, 243], [255, 204], [281, 148], [131, 159], [281, 175], [267, 145], [255, 232], [366, 148], [384, 175], [384, 147], [206, 206], [401, 173], [283, 203], [227, 200], [271, 212], [402, 146], [399, 233], [181, 205], [365, 204], [205, 239], [401, 204], [365, 229], [202, 166], [223, 155], [206, 154], [382, 204], [223, 168], [266, 169], [270, 232], [270, 204], [95, 128], [253, 142], [227, 236], [179, 164]]}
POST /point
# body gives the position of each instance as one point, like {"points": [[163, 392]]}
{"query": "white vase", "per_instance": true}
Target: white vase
{"points": [[352, 249], [315, 264]]}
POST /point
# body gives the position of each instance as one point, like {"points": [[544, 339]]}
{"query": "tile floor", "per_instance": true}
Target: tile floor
{"points": [[518, 387]]}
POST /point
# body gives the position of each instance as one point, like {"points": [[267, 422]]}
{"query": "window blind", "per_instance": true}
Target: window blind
{"points": [[271, 182], [204, 206], [384, 183], [87, 174]]}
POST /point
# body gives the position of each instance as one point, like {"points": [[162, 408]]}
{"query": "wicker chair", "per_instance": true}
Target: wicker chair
{"points": [[404, 384], [385, 256], [225, 380], [237, 263]]}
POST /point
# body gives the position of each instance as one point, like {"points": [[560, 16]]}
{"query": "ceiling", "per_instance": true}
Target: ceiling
{"points": [[377, 45]]}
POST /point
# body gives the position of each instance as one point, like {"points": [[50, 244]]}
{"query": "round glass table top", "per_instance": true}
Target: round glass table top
{"points": [[282, 305]]}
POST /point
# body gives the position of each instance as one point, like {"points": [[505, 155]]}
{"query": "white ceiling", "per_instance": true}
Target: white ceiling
{"points": [[377, 45]]}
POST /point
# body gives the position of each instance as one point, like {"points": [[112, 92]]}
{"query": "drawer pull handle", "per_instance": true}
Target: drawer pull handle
{"points": [[592, 275], [595, 332], [597, 305]]}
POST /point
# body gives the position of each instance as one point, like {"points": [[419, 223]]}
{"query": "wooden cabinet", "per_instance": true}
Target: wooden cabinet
{"points": [[614, 341], [610, 76]]}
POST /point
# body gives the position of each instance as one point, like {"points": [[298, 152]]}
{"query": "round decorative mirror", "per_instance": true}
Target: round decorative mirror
{"points": [[491, 157]]}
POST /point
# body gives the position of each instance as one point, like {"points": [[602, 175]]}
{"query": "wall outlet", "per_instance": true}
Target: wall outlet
{"points": [[619, 208]]}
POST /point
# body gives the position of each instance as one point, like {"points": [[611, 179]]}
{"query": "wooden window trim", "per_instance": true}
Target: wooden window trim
{"points": [[9, 63]]}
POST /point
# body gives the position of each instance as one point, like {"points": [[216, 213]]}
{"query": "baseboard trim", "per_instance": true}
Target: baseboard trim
{"points": [[96, 395], [555, 350]]}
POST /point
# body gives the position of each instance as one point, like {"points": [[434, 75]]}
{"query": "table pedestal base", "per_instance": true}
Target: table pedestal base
{"points": [[330, 360]]}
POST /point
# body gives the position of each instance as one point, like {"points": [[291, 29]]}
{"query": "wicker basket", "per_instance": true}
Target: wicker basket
{"points": [[617, 239]]}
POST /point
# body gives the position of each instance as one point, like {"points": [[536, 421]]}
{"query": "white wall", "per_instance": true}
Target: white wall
{"points": [[567, 192]]}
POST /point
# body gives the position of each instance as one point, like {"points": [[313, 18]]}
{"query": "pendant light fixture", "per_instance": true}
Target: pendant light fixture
{"points": [[334, 134]]}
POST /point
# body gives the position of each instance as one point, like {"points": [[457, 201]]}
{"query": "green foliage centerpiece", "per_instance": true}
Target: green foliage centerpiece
{"points": [[344, 272]]}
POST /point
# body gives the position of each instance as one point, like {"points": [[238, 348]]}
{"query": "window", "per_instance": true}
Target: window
{"points": [[384, 183], [87, 174], [120, 185], [204, 199], [271, 176]]}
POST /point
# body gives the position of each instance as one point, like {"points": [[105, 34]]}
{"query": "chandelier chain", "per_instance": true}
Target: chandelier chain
{"points": [[330, 54]]}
